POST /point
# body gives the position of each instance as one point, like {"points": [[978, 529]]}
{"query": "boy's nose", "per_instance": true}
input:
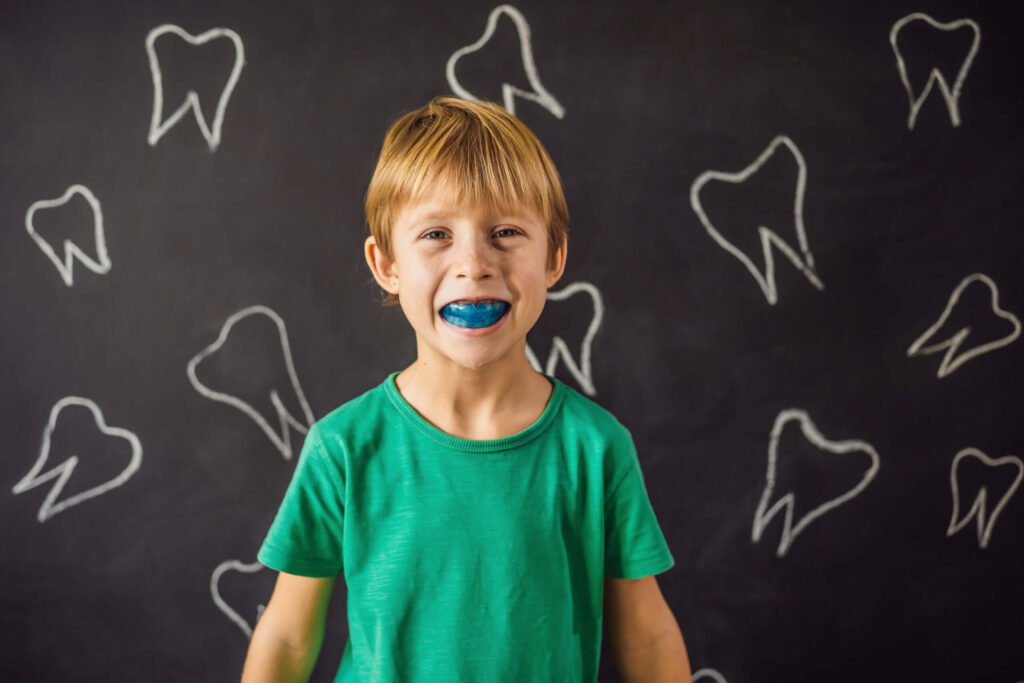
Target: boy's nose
{"points": [[474, 261]]}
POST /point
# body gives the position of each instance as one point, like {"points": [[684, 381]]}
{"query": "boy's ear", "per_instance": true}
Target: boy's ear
{"points": [[381, 266], [557, 264]]}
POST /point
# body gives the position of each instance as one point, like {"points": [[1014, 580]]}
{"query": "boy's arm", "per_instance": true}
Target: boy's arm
{"points": [[287, 637], [643, 633]]}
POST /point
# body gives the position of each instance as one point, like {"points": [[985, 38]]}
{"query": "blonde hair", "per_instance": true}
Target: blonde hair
{"points": [[479, 152]]}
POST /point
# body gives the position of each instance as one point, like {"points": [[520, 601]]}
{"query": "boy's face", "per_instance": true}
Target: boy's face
{"points": [[444, 252]]}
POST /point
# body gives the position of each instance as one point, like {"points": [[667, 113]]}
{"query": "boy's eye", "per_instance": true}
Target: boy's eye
{"points": [[434, 235], [505, 232]]}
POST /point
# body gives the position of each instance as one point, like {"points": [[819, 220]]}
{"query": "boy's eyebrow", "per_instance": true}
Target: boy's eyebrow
{"points": [[429, 214], [440, 213]]}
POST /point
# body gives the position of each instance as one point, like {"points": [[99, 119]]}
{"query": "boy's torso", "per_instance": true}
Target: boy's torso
{"points": [[467, 544]]}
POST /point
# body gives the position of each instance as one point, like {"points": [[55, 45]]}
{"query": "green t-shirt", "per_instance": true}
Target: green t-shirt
{"points": [[468, 560]]}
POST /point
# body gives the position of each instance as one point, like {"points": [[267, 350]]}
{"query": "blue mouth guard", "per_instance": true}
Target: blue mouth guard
{"points": [[482, 314]]}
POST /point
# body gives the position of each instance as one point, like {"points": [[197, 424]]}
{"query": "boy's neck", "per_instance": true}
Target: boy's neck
{"points": [[492, 402]]}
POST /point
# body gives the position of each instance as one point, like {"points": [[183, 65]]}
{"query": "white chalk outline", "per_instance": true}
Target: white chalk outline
{"points": [[978, 507], [156, 128], [559, 349], [71, 250], [951, 97], [281, 441], [540, 94], [768, 237], [63, 471], [222, 605], [713, 674], [949, 363], [789, 532]]}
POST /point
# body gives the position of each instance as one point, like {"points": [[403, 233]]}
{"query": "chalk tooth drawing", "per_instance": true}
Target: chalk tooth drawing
{"points": [[951, 361], [978, 509], [709, 674], [281, 440], [952, 97], [581, 371], [158, 125], [764, 514], [100, 266], [222, 605], [62, 472], [804, 261], [539, 94]]}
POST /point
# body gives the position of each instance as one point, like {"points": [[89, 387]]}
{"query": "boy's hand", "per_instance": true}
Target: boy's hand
{"points": [[645, 638]]}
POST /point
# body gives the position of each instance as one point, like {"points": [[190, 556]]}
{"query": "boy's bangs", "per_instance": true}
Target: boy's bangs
{"points": [[476, 174]]}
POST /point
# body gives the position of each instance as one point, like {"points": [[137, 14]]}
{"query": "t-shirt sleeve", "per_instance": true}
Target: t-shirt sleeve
{"points": [[306, 535], [634, 544]]}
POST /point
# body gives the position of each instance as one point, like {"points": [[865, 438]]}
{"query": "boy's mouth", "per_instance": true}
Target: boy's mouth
{"points": [[474, 314]]}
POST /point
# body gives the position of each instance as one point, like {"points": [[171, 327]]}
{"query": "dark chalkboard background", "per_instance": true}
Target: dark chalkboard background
{"points": [[690, 355]]}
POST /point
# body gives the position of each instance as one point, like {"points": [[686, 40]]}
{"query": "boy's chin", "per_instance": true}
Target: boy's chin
{"points": [[472, 354], [482, 360], [475, 362]]}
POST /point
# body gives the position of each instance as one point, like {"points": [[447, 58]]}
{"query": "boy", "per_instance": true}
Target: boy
{"points": [[484, 515]]}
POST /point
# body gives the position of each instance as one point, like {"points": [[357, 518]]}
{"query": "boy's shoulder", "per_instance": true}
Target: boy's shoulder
{"points": [[590, 417], [595, 432], [355, 412]]}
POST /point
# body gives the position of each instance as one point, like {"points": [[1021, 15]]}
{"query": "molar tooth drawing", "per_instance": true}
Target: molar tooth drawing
{"points": [[282, 439], [804, 263], [63, 471], [157, 126], [951, 361], [222, 605], [71, 250], [581, 371], [952, 97], [710, 674], [764, 514], [539, 94], [978, 507]]}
